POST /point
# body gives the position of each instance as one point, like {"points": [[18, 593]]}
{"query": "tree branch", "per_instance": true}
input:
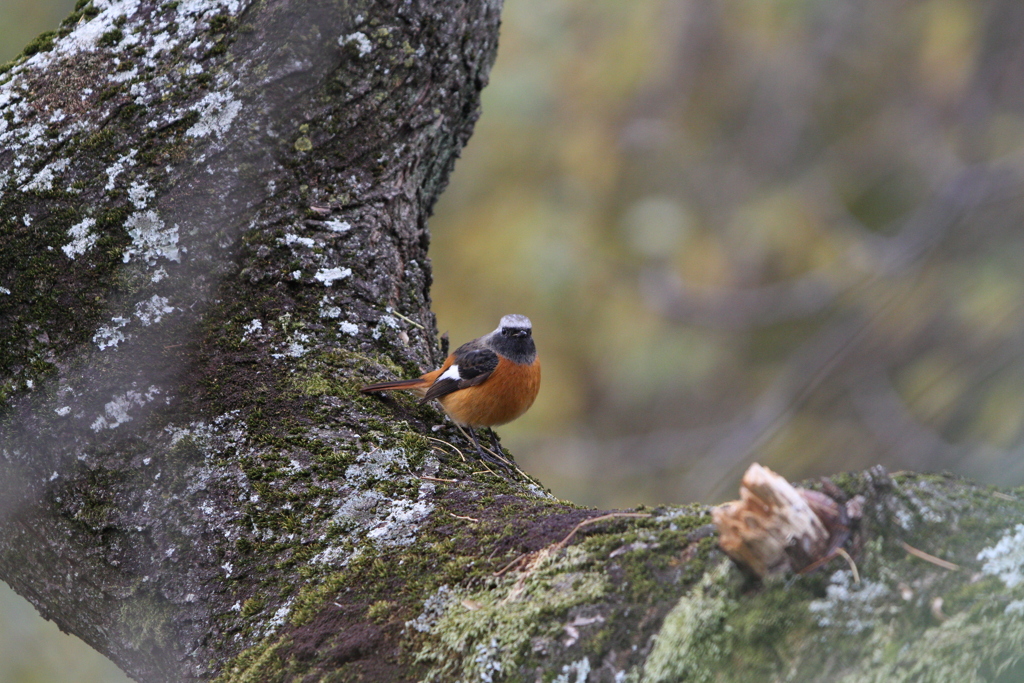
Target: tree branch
{"points": [[212, 232]]}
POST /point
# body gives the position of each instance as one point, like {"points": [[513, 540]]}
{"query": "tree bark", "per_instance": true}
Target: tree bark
{"points": [[214, 230]]}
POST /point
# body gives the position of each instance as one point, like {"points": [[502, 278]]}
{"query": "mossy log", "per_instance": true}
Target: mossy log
{"points": [[213, 230]]}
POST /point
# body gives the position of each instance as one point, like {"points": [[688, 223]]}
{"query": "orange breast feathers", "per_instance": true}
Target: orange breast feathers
{"points": [[505, 395]]}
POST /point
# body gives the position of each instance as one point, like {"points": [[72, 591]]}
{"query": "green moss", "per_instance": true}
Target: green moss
{"points": [[150, 616], [960, 650], [110, 38], [694, 642], [380, 611], [311, 599], [98, 140], [314, 385], [219, 48], [496, 624], [416, 447], [259, 664], [487, 623], [769, 628], [221, 23], [253, 606], [919, 621], [41, 43], [971, 595]]}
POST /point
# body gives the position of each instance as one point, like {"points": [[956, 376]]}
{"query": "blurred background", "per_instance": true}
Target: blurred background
{"points": [[786, 231]]}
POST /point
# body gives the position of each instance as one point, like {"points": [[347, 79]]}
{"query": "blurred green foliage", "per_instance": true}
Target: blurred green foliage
{"points": [[781, 231]]}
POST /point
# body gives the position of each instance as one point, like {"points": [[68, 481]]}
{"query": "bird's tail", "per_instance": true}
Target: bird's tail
{"points": [[398, 384]]}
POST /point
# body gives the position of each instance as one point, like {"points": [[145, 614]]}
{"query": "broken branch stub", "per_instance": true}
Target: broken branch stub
{"points": [[776, 527]]}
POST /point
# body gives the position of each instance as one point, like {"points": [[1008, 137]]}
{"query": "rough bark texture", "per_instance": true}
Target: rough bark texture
{"points": [[212, 231]]}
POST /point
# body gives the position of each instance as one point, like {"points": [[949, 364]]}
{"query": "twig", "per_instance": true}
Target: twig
{"points": [[476, 441], [452, 446], [593, 520], [561, 544], [828, 557], [511, 564], [411, 322], [849, 561], [532, 561], [929, 558], [470, 519], [498, 456], [447, 481]]}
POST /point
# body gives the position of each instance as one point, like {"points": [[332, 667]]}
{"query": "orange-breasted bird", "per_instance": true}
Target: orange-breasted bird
{"points": [[484, 383]]}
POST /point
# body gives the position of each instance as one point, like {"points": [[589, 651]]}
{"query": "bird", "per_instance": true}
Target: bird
{"points": [[486, 382]]}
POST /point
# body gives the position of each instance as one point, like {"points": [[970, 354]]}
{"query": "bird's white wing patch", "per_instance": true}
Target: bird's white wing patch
{"points": [[451, 373]]}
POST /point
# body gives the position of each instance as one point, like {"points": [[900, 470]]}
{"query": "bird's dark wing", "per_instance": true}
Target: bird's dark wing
{"points": [[475, 365]]}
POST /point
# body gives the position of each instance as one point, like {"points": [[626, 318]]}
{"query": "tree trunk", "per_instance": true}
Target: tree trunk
{"points": [[213, 232]]}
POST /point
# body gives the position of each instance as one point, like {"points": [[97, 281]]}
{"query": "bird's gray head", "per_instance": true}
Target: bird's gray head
{"points": [[516, 326], [514, 339]]}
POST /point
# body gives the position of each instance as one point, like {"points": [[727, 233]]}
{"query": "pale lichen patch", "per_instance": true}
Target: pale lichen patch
{"points": [[217, 111], [110, 335], [294, 347], [1006, 558], [399, 527], [337, 226], [359, 40], [82, 238], [328, 309], [44, 179], [280, 617], [153, 309], [386, 322], [575, 672], [290, 239], [139, 194], [151, 238], [252, 327], [116, 411], [853, 607], [328, 276], [367, 513], [118, 167], [433, 607]]}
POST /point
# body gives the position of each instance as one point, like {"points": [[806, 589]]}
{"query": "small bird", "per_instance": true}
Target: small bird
{"points": [[487, 382]]}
